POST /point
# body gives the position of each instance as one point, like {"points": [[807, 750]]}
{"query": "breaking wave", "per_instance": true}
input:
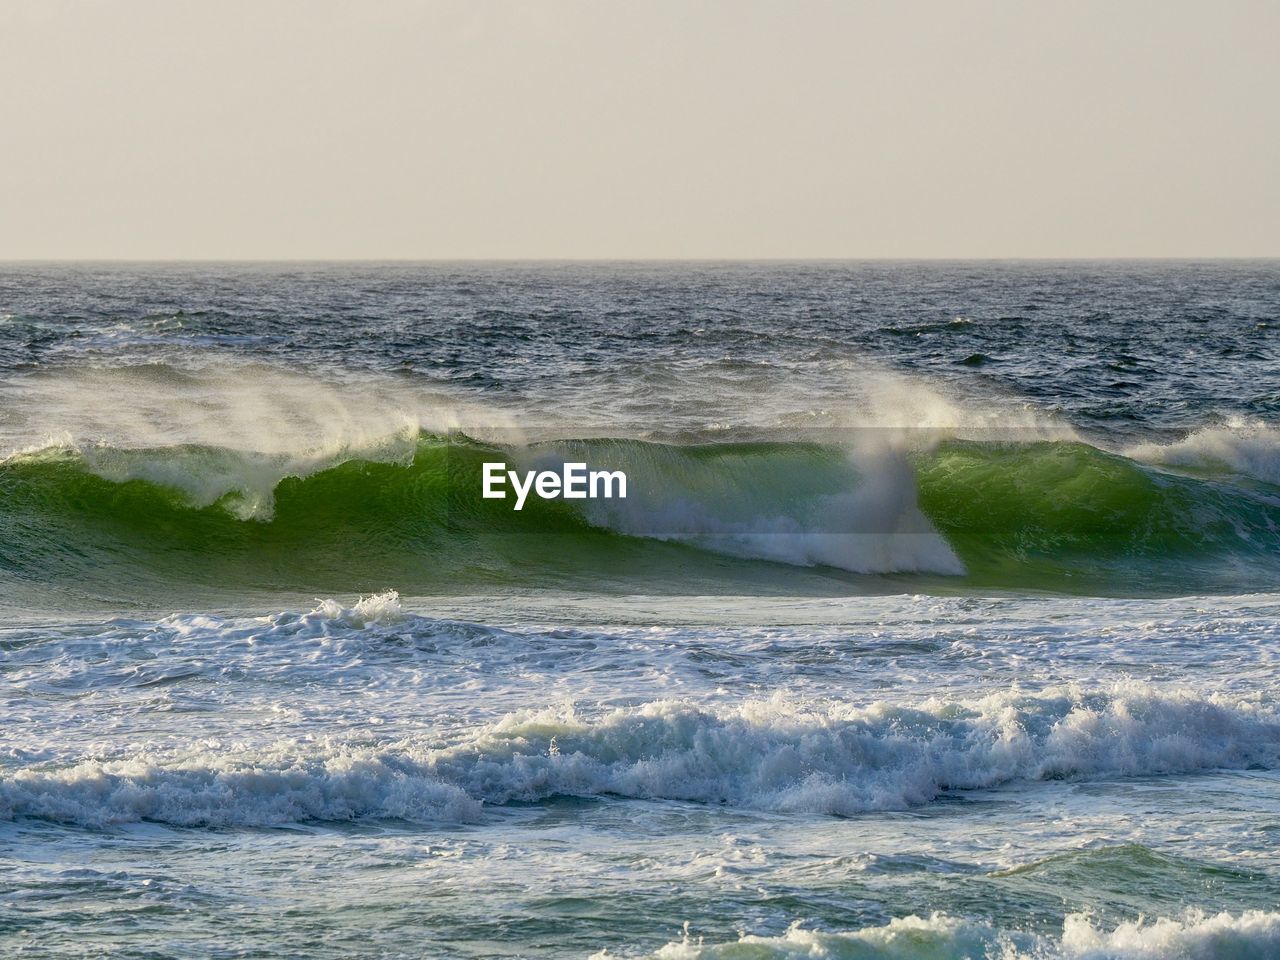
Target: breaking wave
{"points": [[834, 758], [1050, 514], [1196, 935]]}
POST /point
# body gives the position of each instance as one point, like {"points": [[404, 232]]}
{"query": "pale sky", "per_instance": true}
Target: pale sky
{"points": [[600, 129]]}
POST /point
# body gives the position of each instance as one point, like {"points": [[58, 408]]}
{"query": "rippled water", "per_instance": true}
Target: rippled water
{"points": [[943, 621]]}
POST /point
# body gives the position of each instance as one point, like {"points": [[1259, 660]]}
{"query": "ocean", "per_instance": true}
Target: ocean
{"points": [[941, 618]]}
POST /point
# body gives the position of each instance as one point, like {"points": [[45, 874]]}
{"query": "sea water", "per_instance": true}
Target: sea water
{"points": [[940, 619]]}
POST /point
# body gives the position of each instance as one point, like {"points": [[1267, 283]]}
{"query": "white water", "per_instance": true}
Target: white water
{"points": [[735, 763], [1193, 936], [774, 754]]}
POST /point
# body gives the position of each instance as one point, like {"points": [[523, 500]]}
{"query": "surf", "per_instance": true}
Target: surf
{"points": [[1050, 515], [782, 754]]}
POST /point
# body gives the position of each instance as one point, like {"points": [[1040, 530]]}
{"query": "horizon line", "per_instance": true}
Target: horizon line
{"points": [[1180, 258]]}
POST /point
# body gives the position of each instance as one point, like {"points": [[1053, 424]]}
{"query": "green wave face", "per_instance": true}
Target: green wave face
{"points": [[773, 517], [1067, 516]]}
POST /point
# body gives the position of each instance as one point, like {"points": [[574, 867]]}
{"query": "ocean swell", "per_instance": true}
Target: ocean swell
{"points": [[1051, 515]]}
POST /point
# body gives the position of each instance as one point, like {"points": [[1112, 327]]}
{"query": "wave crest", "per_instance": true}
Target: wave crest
{"points": [[771, 754], [1247, 447], [1196, 935]]}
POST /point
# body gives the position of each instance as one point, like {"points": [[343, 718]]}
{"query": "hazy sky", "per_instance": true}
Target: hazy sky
{"points": [[700, 128]]}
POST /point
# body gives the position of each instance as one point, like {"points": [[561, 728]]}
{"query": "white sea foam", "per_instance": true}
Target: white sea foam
{"points": [[234, 787], [1195, 936], [1248, 447], [1251, 935], [844, 759], [771, 754], [376, 608]]}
